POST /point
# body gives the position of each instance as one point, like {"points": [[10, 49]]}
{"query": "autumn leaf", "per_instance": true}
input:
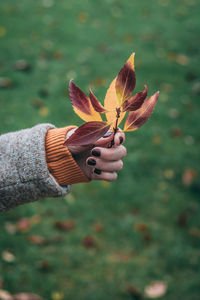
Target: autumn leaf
{"points": [[125, 82], [23, 225], [82, 105], [110, 104], [137, 118], [88, 133], [89, 241], [65, 225], [96, 104], [36, 239], [79, 99], [136, 101]]}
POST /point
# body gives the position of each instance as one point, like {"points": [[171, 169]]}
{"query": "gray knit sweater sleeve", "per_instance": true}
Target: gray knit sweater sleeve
{"points": [[24, 176]]}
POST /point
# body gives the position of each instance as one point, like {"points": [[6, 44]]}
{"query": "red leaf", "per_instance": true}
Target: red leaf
{"points": [[36, 239], [126, 80], [137, 118], [79, 99], [88, 133], [65, 225], [96, 104], [136, 101], [89, 242], [23, 225]]}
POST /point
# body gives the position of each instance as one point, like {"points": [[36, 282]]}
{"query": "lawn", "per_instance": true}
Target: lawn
{"points": [[120, 237]]}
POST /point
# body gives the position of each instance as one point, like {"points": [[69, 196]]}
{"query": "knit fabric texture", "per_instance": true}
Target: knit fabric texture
{"points": [[24, 174], [59, 159]]}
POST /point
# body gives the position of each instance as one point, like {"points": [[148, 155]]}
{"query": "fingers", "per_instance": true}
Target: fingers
{"points": [[105, 162], [109, 154], [105, 166], [107, 176]]}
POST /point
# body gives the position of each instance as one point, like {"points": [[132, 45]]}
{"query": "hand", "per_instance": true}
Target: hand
{"points": [[98, 162]]}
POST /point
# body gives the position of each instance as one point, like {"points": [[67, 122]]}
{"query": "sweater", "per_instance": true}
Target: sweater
{"points": [[34, 164]]}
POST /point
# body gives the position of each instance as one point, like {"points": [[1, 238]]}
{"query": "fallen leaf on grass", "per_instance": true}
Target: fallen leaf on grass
{"points": [[8, 256], [22, 65], [141, 227], [156, 289], [65, 225], [36, 239], [57, 296], [10, 227], [188, 176], [195, 232], [44, 111], [98, 227], [89, 242], [5, 83], [23, 225]]}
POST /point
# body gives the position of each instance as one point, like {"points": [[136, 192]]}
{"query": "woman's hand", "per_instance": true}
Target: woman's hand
{"points": [[98, 162]]}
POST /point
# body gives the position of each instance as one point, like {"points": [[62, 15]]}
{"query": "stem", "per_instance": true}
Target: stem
{"points": [[115, 129]]}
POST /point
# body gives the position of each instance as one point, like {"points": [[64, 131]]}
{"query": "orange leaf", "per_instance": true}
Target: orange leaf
{"points": [[137, 118], [111, 103]]}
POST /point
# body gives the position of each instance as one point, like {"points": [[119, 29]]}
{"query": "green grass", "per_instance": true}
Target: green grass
{"points": [[90, 41]]}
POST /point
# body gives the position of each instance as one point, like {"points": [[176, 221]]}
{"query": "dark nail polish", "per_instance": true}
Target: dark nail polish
{"points": [[121, 140], [91, 162], [97, 171], [107, 134], [96, 152]]}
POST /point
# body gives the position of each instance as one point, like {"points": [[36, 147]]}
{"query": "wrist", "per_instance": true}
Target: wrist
{"points": [[60, 161]]}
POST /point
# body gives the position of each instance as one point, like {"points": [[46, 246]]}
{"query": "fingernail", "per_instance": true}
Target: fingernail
{"points": [[97, 171], [121, 140], [96, 152], [91, 162], [107, 134]]}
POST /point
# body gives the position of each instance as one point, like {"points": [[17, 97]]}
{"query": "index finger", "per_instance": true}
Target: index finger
{"points": [[106, 141]]}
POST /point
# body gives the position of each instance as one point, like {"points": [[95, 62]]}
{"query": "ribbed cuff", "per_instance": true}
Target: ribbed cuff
{"points": [[59, 159]]}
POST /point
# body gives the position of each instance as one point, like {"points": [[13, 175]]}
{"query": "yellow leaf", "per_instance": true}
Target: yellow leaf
{"points": [[57, 296], [95, 116], [44, 111], [111, 103], [2, 31]]}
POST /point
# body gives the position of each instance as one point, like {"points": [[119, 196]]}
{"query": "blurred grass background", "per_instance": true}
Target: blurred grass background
{"points": [[145, 227]]}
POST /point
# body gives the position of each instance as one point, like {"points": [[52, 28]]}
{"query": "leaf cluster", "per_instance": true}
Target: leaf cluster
{"points": [[119, 100]]}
